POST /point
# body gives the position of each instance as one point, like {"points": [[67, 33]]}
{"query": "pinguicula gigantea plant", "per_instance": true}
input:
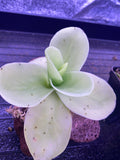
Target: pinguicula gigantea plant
{"points": [[51, 87]]}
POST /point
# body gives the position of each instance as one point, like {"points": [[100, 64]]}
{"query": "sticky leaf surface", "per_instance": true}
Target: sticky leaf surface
{"points": [[47, 128], [96, 106], [24, 84]]}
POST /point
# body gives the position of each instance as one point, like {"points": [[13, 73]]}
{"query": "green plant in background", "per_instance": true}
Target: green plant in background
{"points": [[118, 75], [51, 87], [117, 71]]}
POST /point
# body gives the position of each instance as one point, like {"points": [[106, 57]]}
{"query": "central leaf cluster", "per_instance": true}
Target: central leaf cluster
{"points": [[56, 67]]}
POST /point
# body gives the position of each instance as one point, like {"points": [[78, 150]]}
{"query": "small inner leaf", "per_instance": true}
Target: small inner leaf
{"points": [[53, 56], [63, 69]]}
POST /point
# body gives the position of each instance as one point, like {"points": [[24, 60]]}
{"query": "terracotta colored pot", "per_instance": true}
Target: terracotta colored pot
{"points": [[83, 130], [18, 126]]}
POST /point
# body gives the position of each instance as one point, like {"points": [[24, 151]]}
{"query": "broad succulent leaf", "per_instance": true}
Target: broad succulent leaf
{"points": [[41, 61], [24, 84], [73, 45], [96, 106], [75, 84], [47, 128]]}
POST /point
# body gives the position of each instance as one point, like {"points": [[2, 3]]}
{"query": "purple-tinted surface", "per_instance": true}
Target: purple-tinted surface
{"points": [[98, 11], [17, 46], [59, 8], [107, 12]]}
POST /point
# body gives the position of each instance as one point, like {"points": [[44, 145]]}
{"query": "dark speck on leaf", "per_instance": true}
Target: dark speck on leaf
{"points": [[34, 138], [34, 154], [88, 106], [1, 68], [43, 149], [51, 117]]}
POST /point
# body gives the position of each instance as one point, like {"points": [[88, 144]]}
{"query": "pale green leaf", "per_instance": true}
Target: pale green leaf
{"points": [[24, 84], [98, 105], [47, 128], [75, 84], [52, 55], [55, 56], [73, 45], [63, 69], [42, 61]]}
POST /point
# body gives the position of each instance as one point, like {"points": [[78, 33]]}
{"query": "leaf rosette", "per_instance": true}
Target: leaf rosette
{"points": [[51, 87]]}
